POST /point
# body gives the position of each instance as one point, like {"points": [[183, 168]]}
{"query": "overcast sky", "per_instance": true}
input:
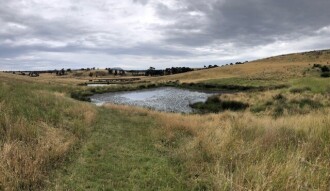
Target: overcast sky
{"points": [[136, 34]]}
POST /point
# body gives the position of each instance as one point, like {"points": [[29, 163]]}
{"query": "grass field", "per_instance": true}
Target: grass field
{"points": [[279, 142], [279, 68], [121, 155], [38, 130], [242, 151]]}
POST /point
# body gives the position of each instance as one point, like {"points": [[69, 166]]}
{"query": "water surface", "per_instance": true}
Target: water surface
{"points": [[162, 99]]}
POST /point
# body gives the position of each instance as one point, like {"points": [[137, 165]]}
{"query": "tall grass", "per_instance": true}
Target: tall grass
{"points": [[38, 128], [242, 151]]}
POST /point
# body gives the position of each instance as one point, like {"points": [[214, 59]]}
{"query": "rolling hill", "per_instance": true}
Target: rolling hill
{"points": [[278, 67]]}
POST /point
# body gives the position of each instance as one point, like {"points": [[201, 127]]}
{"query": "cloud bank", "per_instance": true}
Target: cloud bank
{"points": [[49, 34]]}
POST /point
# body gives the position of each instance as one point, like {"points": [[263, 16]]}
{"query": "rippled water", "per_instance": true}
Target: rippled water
{"points": [[162, 99]]}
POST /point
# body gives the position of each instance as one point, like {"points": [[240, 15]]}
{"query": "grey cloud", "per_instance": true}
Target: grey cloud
{"points": [[143, 2], [40, 27], [7, 52], [62, 30], [245, 22], [148, 50], [154, 50], [191, 25]]}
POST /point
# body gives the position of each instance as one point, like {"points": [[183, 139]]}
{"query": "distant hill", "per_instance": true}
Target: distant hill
{"points": [[277, 67]]}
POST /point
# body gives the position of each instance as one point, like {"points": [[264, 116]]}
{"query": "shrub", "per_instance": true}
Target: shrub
{"points": [[325, 69], [325, 74], [213, 105]]}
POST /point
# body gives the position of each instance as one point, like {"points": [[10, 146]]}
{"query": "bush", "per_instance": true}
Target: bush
{"points": [[213, 104], [325, 69], [325, 75]]}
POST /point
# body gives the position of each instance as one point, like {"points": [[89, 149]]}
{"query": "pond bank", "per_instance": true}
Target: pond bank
{"points": [[85, 94]]}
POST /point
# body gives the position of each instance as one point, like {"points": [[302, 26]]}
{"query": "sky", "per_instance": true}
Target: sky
{"points": [[137, 34]]}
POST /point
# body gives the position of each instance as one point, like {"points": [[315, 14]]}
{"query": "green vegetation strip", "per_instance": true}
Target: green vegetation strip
{"points": [[245, 82], [315, 84], [120, 155]]}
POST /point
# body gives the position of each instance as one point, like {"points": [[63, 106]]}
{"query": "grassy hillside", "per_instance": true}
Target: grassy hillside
{"points": [[38, 129], [273, 68], [278, 141]]}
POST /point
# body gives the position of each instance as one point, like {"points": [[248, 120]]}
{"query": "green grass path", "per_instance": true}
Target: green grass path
{"points": [[120, 155]]}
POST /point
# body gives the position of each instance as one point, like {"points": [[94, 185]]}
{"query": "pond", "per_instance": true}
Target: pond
{"points": [[166, 99]]}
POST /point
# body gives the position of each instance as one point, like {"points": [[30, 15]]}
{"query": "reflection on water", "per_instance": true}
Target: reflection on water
{"points": [[163, 99]]}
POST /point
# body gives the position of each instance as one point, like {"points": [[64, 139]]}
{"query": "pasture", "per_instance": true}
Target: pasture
{"points": [[279, 140]]}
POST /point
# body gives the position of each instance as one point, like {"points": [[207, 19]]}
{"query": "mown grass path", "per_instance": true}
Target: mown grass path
{"points": [[120, 155]]}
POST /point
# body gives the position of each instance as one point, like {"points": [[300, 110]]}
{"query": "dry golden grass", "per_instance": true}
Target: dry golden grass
{"points": [[50, 79], [74, 78], [25, 165], [242, 151], [38, 129], [296, 103], [253, 70], [279, 67]]}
